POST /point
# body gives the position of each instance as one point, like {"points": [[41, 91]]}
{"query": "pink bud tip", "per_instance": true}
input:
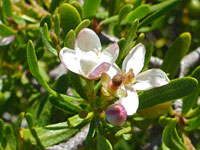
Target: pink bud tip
{"points": [[116, 114]]}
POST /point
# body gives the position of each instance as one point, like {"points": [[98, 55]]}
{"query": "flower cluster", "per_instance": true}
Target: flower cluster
{"points": [[89, 61]]}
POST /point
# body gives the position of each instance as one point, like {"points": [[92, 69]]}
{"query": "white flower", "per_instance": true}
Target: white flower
{"points": [[6, 40], [133, 64], [87, 59]]}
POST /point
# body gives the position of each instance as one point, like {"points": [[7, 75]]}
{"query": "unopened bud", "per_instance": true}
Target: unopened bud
{"points": [[117, 80], [116, 114]]}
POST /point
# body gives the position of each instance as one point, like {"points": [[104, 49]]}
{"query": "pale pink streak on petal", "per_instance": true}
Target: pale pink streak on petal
{"points": [[135, 59], [150, 79], [87, 40], [97, 72], [6, 40]]}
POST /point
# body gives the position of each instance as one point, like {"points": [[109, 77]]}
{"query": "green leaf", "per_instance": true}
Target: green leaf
{"points": [[78, 86], [162, 5], [171, 138], [78, 7], [84, 24], [61, 85], [176, 89], [90, 7], [131, 35], [91, 132], [1, 130], [50, 135], [138, 13], [193, 124], [155, 25], [109, 20], [10, 136], [46, 43], [190, 100], [7, 7], [76, 120], [122, 131], [19, 20], [19, 120], [64, 104], [6, 31], [46, 32], [103, 143], [34, 68], [124, 11], [54, 4], [175, 54], [157, 14], [57, 26], [70, 39], [48, 20], [69, 17], [137, 3]]}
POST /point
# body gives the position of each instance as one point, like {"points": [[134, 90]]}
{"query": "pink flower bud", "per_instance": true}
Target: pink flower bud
{"points": [[116, 114]]}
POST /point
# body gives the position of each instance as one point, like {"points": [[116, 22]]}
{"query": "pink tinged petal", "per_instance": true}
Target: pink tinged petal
{"points": [[113, 70], [88, 62], [131, 102], [97, 72], [87, 40], [6, 40], [135, 59], [116, 114], [110, 54], [150, 79], [68, 58]]}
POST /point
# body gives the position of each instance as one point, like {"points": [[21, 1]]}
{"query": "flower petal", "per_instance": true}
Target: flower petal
{"points": [[131, 102], [135, 59], [97, 72], [88, 62], [110, 54], [87, 40], [68, 58], [150, 79], [6, 40], [113, 70]]}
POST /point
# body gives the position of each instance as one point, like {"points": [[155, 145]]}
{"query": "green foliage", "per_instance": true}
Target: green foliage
{"points": [[171, 139], [176, 89], [103, 143], [57, 103], [176, 52], [69, 17], [6, 31], [49, 135], [138, 13], [70, 39], [90, 7]]}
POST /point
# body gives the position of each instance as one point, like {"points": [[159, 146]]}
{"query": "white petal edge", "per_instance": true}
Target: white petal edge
{"points": [[110, 54], [150, 79], [87, 40], [113, 70], [68, 58], [135, 59], [131, 102]]}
